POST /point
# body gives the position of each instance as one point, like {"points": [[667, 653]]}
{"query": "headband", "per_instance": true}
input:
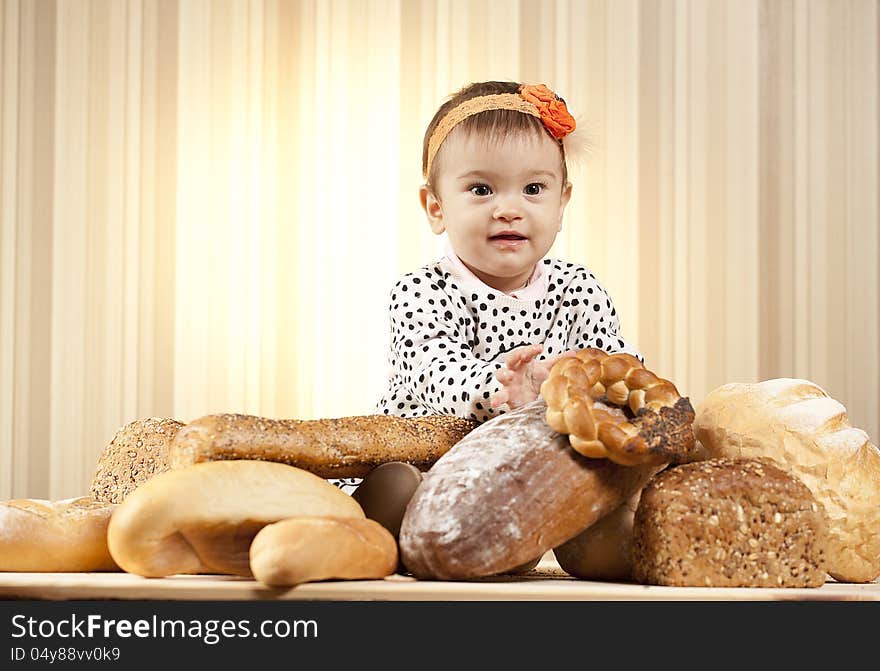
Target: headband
{"points": [[539, 101]]}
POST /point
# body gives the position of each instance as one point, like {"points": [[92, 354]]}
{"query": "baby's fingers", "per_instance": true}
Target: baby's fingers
{"points": [[504, 375], [522, 355], [499, 399]]}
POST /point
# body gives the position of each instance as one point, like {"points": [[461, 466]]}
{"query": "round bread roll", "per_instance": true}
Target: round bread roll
{"points": [[385, 492], [729, 523], [202, 518], [603, 551], [797, 425], [306, 549], [55, 536], [138, 451]]}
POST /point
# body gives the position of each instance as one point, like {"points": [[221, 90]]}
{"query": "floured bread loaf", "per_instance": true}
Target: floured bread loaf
{"points": [[138, 451], [202, 519], [344, 447], [729, 523], [55, 536], [795, 423], [306, 549], [506, 493]]}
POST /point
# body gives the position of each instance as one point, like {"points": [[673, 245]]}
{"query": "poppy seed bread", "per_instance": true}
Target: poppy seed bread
{"points": [[729, 523]]}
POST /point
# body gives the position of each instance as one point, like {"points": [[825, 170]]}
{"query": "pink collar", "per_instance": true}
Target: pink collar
{"points": [[536, 288]]}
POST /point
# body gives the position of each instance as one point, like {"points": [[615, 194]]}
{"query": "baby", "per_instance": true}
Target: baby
{"points": [[479, 330]]}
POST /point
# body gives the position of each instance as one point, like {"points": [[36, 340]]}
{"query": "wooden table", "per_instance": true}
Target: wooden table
{"points": [[546, 583]]}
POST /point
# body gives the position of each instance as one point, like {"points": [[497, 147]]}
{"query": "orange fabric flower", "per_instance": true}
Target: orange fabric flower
{"points": [[554, 113], [537, 95]]}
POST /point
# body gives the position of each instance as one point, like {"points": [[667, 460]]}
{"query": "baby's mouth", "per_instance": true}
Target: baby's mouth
{"points": [[508, 236]]}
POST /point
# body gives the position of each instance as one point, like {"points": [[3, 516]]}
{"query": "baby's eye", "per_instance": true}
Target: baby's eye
{"points": [[480, 190], [534, 189]]}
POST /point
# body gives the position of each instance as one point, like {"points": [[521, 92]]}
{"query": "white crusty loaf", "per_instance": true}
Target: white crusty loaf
{"points": [[202, 518], [799, 426], [306, 549], [55, 536]]}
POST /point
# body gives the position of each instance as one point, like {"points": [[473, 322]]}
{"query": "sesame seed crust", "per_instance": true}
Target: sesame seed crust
{"points": [[138, 451], [344, 447]]}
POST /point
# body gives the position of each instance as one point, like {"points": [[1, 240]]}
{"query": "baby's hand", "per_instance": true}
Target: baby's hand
{"points": [[522, 378]]}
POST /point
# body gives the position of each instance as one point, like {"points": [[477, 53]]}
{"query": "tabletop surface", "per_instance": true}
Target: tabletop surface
{"points": [[547, 582]]}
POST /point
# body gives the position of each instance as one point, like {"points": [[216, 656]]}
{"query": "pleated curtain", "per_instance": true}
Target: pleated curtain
{"points": [[204, 203]]}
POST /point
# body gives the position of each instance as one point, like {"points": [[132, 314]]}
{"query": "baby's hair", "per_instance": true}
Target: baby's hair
{"points": [[492, 124]]}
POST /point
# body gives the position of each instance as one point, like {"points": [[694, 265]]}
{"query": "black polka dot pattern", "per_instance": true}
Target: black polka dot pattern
{"points": [[447, 342]]}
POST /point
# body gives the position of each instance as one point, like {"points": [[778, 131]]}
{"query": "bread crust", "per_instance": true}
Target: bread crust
{"points": [[729, 523], [307, 549], [345, 447], [602, 551], [506, 493], [138, 451], [202, 518], [69, 535], [803, 430], [657, 429]]}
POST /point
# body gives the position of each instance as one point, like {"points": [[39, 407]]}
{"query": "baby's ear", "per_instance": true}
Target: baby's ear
{"points": [[433, 209], [566, 196]]}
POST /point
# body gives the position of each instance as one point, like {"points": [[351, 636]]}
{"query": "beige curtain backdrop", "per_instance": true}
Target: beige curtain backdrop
{"points": [[204, 204]]}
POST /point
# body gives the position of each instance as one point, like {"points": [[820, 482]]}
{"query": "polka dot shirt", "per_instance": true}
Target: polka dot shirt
{"points": [[450, 332]]}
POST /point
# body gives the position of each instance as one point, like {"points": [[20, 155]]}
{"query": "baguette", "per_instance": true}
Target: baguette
{"points": [[307, 549], [202, 519], [346, 447], [506, 493], [55, 536]]}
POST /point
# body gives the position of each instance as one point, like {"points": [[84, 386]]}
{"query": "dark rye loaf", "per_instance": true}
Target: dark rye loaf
{"points": [[506, 493], [729, 523]]}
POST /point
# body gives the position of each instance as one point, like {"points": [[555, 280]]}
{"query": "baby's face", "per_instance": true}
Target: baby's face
{"points": [[500, 203]]}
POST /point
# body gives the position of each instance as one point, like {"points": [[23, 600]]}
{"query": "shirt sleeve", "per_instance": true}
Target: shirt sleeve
{"points": [[430, 350], [599, 324]]}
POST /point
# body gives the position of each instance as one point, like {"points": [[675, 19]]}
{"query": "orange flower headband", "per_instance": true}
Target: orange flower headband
{"points": [[539, 101]]}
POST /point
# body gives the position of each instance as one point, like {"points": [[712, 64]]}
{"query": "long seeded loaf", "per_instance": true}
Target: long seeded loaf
{"points": [[344, 447]]}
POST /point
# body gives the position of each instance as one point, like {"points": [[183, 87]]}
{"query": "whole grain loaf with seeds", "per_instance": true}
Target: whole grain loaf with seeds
{"points": [[344, 447], [729, 523], [138, 451]]}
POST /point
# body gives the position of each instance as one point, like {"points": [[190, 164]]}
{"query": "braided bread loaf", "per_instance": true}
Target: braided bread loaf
{"points": [[660, 427]]}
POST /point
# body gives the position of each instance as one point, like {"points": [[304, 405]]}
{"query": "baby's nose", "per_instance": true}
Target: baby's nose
{"points": [[507, 210]]}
